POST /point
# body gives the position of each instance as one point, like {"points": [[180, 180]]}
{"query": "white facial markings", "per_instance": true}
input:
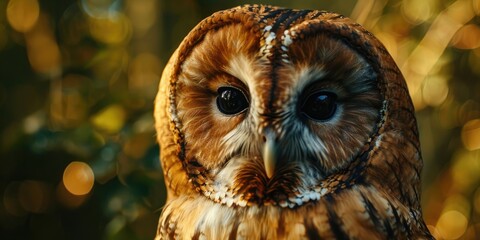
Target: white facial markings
{"points": [[221, 194], [269, 42], [305, 77], [241, 67], [287, 39], [240, 140], [225, 177], [243, 144], [306, 142]]}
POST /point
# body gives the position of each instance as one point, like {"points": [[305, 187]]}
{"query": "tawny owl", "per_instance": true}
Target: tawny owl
{"points": [[287, 124]]}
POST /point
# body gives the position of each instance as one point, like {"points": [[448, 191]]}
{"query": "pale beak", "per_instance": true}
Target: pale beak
{"points": [[270, 153]]}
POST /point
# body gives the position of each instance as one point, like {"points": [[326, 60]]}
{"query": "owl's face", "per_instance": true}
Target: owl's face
{"points": [[268, 111], [276, 123]]}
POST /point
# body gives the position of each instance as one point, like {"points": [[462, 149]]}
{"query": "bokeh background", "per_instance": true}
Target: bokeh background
{"points": [[78, 158]]}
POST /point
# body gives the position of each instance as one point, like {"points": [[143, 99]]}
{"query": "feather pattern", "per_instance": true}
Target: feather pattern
{"points": [[355, 175]]}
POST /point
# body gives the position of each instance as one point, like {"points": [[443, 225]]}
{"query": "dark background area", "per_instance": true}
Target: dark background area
{"points": [[78, 158]]}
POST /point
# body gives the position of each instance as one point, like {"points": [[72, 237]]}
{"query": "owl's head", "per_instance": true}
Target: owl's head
{"points": [[268, 106]]}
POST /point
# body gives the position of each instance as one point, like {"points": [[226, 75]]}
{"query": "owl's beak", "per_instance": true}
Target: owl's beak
{"points": [[269, 152]]}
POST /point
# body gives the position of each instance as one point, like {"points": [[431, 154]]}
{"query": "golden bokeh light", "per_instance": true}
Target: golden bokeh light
{"points": [[78, 178], [22, 14], [435, 90], [115, 29], [142, 16], [476, 6], [426, 54], [452, 224], [465, 169], [467, 37], [471, 134], [458, 202], [111, 119], [44, 54], [43, 51], [417, 11]]}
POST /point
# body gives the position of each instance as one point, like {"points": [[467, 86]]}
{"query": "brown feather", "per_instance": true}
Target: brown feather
{"points": [[354, 176]]}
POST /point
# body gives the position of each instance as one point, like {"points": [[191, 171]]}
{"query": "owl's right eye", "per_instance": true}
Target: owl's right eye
{"points": [[231, 100], [320, 106]]}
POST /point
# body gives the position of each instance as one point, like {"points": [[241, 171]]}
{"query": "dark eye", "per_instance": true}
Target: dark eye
{"points": [[231, 100], [320, 106]]}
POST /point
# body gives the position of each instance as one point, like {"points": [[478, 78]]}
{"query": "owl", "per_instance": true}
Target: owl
{"points": [[277, 123]]}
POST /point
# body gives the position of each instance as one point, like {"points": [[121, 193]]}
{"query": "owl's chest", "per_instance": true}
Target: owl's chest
{"points": [[348, 215], [203, 219]]}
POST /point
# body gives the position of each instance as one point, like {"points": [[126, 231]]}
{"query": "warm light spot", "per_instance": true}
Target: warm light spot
{"points": [[430, 55], [22, 14], [43, 53], [34, 122], [111, 119], [471, 134], [115, 29], [465, 169], [426, 54], [78, 178], [452, 224], [476, 6], [143, 16], [435, 90], [457, 202], [467, 37], [416, 11]]}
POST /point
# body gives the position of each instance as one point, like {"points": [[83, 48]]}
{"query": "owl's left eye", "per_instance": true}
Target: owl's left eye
{"points": [[231, 100]]}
